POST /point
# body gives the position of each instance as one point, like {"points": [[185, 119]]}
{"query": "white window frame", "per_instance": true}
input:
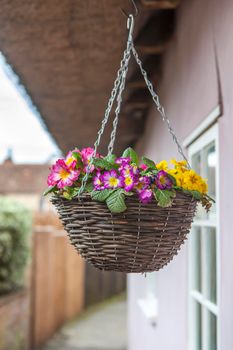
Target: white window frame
{"points": [[199, 143]]}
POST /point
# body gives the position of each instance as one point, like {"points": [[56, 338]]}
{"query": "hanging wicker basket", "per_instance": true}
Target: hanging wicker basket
{"points": [[144, 238]]}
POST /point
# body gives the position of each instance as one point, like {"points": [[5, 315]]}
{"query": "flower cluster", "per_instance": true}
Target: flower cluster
{"points": [[66, 172], [187, 178], [128, 177], [124, 176]]}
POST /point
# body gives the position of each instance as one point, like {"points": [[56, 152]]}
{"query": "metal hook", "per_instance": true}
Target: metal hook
{"points": [[135, 8], [130, 26]]}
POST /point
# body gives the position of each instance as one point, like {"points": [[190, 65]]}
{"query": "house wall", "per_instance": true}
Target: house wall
{"points": [[197, 75]]}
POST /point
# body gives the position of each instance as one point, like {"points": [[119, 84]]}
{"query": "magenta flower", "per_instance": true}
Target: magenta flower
{"points": [[129, 182], [70, 160], [98, 182], [123, 161], [143, 166], [62, 175], [87, 154], [112, 180], [142, 184], [129, 170], [145, 196], [163, 182]]}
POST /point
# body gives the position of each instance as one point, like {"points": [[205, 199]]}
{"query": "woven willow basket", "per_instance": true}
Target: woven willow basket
{"points": [[142, 239]]}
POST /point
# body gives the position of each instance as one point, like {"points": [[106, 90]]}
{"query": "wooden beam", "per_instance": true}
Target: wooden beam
{"points": [[160, 4], [152, 65], [153, 49], [132, 105], [136, 84], [156, 34]]}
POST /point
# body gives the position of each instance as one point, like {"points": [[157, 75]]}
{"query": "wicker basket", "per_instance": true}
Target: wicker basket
{"points": [[142, 239]]}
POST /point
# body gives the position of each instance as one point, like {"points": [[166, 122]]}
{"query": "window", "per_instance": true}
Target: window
{"points": [[204, 250]]}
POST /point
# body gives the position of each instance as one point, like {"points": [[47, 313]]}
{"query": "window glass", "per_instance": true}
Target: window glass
{"points": [[210, 264], [203, 252]]}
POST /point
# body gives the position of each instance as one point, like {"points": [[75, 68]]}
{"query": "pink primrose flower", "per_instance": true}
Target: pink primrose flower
{"points": [[129, 182], [143, 183], [163, 181], [87, 154], [62, 175], [145, 196], [112, 180], [143, 166], [98, 182], [70, 159]]}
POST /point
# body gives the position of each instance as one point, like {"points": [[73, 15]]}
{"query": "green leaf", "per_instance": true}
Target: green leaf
{"points": [[89, 187], [129, 152], [128, 193], [78, 158], [195, 194], [116, 201], [148, 162], [67, 195], [164, 197], [69, 192], [101, 196], [50, 190], [110, 158], [104, 164]]}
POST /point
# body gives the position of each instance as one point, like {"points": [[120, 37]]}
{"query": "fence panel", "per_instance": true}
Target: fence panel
{"points": [[57, 284]]}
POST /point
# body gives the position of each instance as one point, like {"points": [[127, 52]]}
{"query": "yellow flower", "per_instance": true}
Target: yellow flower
{"points": [[181, 165], [178, 164], [173, 172], [203, 186], [194, 182], [180, 180], [163, 165]]}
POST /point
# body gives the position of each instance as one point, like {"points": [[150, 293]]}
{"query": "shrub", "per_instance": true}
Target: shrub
{"points": [[15, 225]]}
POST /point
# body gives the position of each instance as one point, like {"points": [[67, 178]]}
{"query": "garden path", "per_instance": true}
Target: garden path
{"points": [[101, 327]]}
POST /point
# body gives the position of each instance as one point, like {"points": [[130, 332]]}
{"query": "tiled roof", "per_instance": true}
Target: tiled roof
{"points": [[23, 178]]}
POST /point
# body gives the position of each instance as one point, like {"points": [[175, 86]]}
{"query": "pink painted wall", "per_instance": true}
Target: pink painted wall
{"points": [[190, 91]]}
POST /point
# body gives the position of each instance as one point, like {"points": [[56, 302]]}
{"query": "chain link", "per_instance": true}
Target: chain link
{"points": [[116, 86], [116, 93], [119, 101], [159, 107]]}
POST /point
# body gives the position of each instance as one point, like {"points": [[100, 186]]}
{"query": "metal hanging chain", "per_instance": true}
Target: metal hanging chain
{"points": [[117, 91], [117, 83], [159, 107], [118, 108], [130, 27]]}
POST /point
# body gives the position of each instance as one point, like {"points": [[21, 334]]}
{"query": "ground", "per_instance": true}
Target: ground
{"points": [[102, 327]]}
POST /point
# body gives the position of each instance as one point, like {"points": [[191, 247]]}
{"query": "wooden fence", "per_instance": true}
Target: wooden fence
{"points": [[57, 283], [100, 285], [63, 283]]}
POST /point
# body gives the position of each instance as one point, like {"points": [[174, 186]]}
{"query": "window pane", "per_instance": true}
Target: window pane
{"points": [[196, 259], [197, 326], [209, 172], [210, 264], [196, 165], [212, 331], [196, 162]]}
